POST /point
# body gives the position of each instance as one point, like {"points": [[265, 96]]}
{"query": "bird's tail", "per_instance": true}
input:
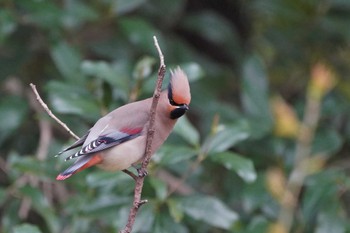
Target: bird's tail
{"points": [[81, 164]]}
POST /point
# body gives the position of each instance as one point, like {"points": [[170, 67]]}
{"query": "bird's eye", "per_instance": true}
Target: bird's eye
{"points": [[172, 102]]}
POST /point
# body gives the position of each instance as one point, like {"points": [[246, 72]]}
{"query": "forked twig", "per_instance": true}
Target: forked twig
{"points": [[150, 134]]}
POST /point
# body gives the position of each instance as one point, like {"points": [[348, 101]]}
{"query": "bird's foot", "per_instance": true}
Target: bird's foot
{"points": [[142, 172]]}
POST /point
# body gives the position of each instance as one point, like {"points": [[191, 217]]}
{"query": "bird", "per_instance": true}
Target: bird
{"points": [[117, 141]]}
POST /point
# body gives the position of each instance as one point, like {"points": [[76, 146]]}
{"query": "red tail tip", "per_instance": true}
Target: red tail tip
{"points": [[62, 177]]}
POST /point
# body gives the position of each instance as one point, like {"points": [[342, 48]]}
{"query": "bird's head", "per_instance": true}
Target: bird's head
{"points": [[179, 94]]}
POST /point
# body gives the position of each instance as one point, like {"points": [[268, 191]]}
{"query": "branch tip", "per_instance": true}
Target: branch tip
{"points": [[49, 112]]}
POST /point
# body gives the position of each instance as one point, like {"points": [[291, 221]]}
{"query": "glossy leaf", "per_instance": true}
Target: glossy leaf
{"points": [[164, 223], [121, 7], [27, 164], [193, 70], [78, 13], [107, 204], [216, 30], [327, 222], [321, 195], [327, 142], [139, 32], [209, 210], [72, 99], [7, 24], [26, 228], [227, 138], [67, 61], [242, 166], [171, 154], [42, 206], [187, 131], [115, 74], [175, 209], [254, 94], [13, 111], [45, 14], [144, 68], [160, 188]]}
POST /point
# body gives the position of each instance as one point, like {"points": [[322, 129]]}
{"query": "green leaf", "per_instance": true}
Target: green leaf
{"points": [[217, 29], [8, 24], [106, 179], [210, 210], [143, 68], [27, 164], [171, 154], [67, 61], [42, 207], [139, 32], [121, 7], [254, 95], [227, 137], [26, 228], [3, 195], [258, 225], [330, 222], [187, 131], [104, 204], [72, 99], [175, 209], [115, 74], [76, 13], [164, 223], [327, 141], [160, 187], [242, 166], [13, 111], [42, 14], [321, 193], [193, 70]]}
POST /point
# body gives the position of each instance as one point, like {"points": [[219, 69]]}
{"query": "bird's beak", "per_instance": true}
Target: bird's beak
{"points": [[185, 107]]}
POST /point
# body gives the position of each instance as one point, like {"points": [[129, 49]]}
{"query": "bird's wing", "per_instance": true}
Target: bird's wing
{"points": [[108, 140], [79, 142]]}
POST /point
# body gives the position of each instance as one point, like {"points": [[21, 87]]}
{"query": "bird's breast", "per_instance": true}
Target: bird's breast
{"points": [[124, 155]]}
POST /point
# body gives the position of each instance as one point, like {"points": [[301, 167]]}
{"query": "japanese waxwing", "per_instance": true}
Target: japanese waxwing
{"points": [[117, 140]]}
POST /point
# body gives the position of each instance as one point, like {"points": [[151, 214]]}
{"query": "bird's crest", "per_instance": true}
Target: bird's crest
{"points": [[179, 88]]}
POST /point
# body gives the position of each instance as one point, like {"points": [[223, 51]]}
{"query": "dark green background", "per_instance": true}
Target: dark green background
{"points": [[89, 57]]}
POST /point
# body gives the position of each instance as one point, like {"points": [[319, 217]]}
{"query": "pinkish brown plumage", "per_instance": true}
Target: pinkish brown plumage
{"points": [[117, 140]]}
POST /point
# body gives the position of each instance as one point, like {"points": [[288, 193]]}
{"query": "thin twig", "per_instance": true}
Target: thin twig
{"points": [[42, 103], [321, 82], [148, 150], [44, 126], [299, 172], [177, 184], [132, 175]]}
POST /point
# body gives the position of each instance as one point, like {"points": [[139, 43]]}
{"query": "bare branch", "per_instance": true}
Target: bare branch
{"points": [[132, 175], [161, 57], [148, 150], [42, 103]]}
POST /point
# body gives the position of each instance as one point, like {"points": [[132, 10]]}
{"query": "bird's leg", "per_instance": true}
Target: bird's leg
{"points": [[126, 171]]}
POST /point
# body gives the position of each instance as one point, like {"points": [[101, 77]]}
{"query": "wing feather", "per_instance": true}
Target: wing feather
{"points": [[79, 142], [106, 141]]}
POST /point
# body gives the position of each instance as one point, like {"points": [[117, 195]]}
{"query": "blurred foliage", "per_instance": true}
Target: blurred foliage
{"points": [[250, 64]]}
